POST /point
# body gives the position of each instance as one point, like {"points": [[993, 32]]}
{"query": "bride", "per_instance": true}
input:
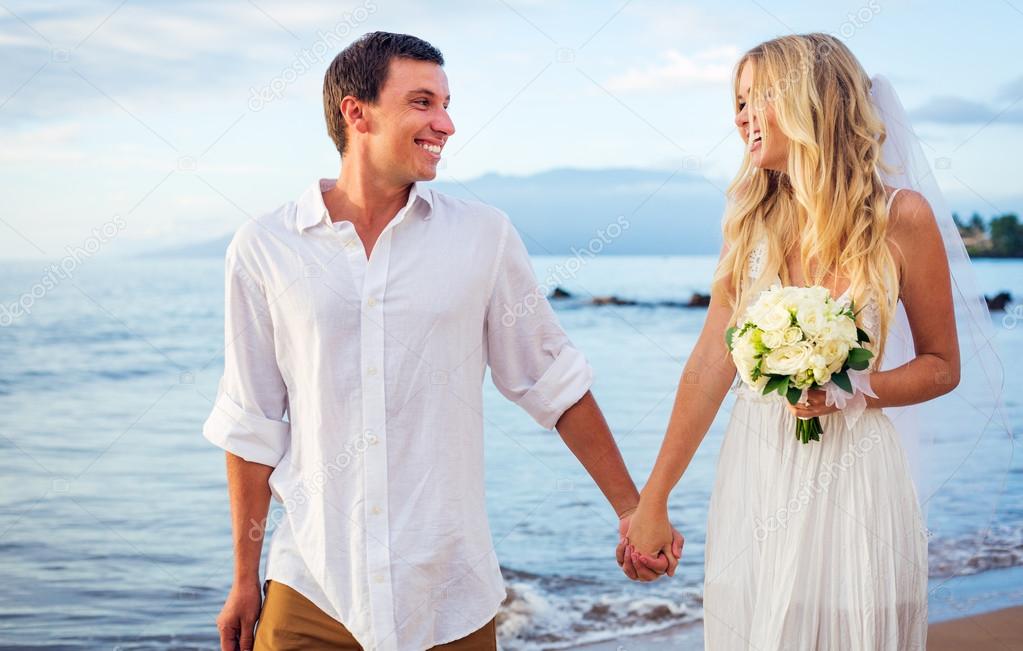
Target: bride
{"points": [[822, 545]]}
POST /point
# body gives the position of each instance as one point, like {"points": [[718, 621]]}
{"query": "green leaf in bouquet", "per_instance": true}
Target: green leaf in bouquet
{"points": [[862, 336], [842, 380], [779, 383], [793, 395], [858, 358], [728, 336]]}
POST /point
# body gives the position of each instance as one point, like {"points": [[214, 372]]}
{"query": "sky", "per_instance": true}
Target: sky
{"points": [[135, 123]]}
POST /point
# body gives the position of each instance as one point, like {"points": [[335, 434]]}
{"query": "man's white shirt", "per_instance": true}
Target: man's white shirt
{"points": [[360, 382]]}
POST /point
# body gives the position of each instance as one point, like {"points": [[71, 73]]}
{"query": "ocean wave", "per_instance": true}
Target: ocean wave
{"points": [[552, 612], [534, 617], [997, 548]]}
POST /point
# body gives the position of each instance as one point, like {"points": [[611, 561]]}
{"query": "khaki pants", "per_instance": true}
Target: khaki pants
{"points": [[290, 622]]}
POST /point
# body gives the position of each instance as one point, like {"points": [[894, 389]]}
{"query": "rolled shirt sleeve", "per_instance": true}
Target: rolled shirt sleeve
{"points": [[532, 361], [247, 417]]}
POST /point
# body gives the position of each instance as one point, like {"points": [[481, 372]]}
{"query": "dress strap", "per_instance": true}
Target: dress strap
{"points": [[891, 199]]}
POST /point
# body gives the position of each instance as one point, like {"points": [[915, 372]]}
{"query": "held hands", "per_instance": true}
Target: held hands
{"points": [[649, 546]]}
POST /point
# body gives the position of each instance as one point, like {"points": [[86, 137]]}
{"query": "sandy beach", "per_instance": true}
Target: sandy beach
{"points": [[1001, 630]]}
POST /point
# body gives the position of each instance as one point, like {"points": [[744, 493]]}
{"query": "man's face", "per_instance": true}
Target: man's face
{"points": [[410, 123]]}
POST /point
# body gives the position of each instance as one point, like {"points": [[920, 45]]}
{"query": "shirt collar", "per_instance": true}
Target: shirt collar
{"points": [[312, 210]]}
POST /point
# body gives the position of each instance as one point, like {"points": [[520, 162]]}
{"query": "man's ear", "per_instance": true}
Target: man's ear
{"points": [[354, 115]]}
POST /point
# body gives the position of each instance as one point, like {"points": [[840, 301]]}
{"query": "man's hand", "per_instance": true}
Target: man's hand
{"points": [[237, 619], [643, 568]]}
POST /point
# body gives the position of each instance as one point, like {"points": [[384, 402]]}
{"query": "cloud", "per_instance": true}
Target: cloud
{"points": [[676, 70], [138, 53], [48, 144], [958, 110], [1012, 91]]}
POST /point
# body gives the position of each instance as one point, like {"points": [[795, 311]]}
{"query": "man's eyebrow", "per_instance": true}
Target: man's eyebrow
{"points": [[424, 91]]}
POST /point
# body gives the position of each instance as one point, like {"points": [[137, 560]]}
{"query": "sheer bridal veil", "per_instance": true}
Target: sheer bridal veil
{"points": [[937, 455]]}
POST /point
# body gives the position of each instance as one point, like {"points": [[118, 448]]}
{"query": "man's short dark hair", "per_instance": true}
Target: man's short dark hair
{"points": [[360, 70]]}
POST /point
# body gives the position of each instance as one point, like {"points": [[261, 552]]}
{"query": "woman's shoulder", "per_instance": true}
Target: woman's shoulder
{"points": [[909, 210], [910, 219], [912, 228]]}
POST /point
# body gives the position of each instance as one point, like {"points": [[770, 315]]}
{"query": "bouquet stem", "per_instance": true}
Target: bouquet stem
{"points": [[809, 429]]}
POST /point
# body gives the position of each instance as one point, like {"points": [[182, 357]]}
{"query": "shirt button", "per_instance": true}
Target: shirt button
{"points": [[372, 370], [379, 578], [376, 510], [372, 302]]}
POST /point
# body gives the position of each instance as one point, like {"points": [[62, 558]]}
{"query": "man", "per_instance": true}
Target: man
{"points": [[368, 311]]}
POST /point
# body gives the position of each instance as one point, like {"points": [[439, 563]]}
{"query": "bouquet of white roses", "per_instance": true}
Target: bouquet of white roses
{"points": [[797, 338]]}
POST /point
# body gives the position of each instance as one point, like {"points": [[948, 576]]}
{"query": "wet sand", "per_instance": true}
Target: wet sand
{"points": [[1001, 630]]}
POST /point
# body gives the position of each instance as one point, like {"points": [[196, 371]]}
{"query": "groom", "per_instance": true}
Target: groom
{"points": [[367, 311]]}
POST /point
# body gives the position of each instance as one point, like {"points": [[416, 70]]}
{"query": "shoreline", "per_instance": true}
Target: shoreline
{"points": [[969, 611], [998, 629]]}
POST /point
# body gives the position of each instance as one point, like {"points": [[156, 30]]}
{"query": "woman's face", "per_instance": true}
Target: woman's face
{"points": [[774, 155]]}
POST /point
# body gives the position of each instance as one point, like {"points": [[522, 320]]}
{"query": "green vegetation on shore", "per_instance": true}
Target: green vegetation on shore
{"points": [[1001, 237]]}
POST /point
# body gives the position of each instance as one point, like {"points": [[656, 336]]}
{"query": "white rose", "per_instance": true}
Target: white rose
{"points": [[829, 331], [819, 366], [792, 335], [746, 373], [788, 360], [744, 354], [763, 303], [820, 294], [776, 318], [743, 351], [774, 338], [790, 297], [834, 351], [810, 315], [803, 379], [845, 329]]}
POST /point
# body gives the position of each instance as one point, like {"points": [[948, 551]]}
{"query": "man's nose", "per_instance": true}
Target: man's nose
{"points": [[444, 124]]}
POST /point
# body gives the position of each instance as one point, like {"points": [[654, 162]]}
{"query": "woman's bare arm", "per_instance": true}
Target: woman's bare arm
{"points": [[927, 297], [705, 380]]}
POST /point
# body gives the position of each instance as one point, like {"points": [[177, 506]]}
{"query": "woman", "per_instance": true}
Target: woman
{"points": [[823, 545]]}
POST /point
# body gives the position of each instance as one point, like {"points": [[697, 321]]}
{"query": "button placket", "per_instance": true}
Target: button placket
{"points": [[374, 410], [371, 281], [353, 250]]}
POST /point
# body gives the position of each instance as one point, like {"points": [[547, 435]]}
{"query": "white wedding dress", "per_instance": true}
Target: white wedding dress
{"points": [[816, 546]]}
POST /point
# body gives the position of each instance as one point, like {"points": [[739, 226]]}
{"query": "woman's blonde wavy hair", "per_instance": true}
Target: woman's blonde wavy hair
{"points": [[830, 204]]}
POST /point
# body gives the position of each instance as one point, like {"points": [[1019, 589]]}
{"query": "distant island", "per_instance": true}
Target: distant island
{"points": [[1001, 237], [562, 296]]}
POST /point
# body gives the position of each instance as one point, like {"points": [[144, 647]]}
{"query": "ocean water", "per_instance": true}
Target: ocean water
{"points": [[114, 521]]}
